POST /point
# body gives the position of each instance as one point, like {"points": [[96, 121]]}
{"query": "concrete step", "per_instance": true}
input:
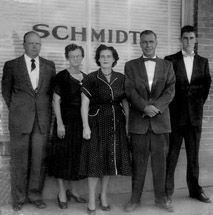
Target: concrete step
{"points": [[118, 184], [122, 184], [183, 205]]}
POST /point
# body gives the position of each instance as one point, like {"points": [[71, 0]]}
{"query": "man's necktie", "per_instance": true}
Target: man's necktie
{"points": [[149, 59], [33, 66]]}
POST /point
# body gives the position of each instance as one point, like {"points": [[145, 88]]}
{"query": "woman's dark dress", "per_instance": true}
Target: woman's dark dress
{"points": [[106, 153], [65, 153]]}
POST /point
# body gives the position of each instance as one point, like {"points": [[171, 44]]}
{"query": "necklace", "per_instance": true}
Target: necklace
{"points": [[107, 74]]}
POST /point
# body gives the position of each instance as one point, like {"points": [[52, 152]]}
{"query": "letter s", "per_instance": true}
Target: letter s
{"points": [[45, 33]]}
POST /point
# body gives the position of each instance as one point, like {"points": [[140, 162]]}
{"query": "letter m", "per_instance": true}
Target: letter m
{"points": [[97, 36]]}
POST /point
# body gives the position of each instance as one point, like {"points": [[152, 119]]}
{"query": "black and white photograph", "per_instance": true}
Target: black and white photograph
{"points": [[106, 107]]}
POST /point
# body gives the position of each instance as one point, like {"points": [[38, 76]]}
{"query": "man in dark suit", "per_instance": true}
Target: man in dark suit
{"points": [[26, 88], [150, 87], [192, 87]]}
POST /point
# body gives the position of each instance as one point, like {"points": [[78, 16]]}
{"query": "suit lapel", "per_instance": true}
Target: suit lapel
{"points": [[157, 74], [182, 67], [143, 73], [41, 72], [24, 71], [194, 68]]}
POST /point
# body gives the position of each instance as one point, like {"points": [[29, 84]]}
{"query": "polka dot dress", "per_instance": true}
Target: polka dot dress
{"points": [[106, 153]]}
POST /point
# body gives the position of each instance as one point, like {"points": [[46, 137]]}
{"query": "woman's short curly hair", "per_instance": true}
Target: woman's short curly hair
{"points": [[104, 47], [73, 47]]}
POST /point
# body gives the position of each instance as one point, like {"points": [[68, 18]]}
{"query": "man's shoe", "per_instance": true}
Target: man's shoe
{"points": [[167, 206], [17, 206], [201, 197], [38, 204], [131, 206]]}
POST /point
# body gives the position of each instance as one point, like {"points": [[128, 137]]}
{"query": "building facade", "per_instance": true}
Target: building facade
{"points": [[114, 22]]}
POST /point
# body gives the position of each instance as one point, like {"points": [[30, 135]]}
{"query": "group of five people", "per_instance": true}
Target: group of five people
{"points": [[106, 123]]}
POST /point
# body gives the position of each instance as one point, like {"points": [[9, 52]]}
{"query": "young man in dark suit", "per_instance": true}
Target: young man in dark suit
{"points": [[150, 87], [192, 87], [26, 88]]}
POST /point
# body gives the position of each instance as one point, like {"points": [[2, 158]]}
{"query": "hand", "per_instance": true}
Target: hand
{"points": [[61, 131], [151, 110], [86, 133]]}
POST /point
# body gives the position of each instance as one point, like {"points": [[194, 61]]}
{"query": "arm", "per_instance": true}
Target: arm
{"points": [[131, 92], [7, 84], [52, 81], [84, 115], [125, 105], [169, 91], [54, 70], [57, 110], [207, 82]]}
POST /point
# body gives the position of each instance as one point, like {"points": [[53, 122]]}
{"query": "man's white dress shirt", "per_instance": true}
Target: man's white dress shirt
{"points": [[188, 61], [150, 70], [34, 74]]}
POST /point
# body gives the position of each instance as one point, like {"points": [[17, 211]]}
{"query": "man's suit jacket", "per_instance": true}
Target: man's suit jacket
{"points": [[139, 95], [189, 99], [22, 100]]}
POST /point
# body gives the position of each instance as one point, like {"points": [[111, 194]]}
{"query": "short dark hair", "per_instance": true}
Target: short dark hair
{"points": [[188, 29], [28, 33], [146, 32], [73, 47], [104, 47]]}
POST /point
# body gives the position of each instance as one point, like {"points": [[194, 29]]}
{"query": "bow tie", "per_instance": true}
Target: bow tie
{"points": [[149, 59]]}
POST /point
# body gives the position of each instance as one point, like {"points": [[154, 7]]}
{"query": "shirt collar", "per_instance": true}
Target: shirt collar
{"points": [[149, 57], [27, 58], [185, 54]]}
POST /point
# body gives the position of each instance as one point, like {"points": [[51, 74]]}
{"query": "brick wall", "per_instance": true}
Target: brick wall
{"points": [[204, 24], [205, 48], [4, 173]]}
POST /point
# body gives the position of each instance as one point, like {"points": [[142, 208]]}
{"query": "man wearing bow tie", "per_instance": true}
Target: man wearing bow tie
{"points": [[26, 88], [192, 87], [150, 87]]}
